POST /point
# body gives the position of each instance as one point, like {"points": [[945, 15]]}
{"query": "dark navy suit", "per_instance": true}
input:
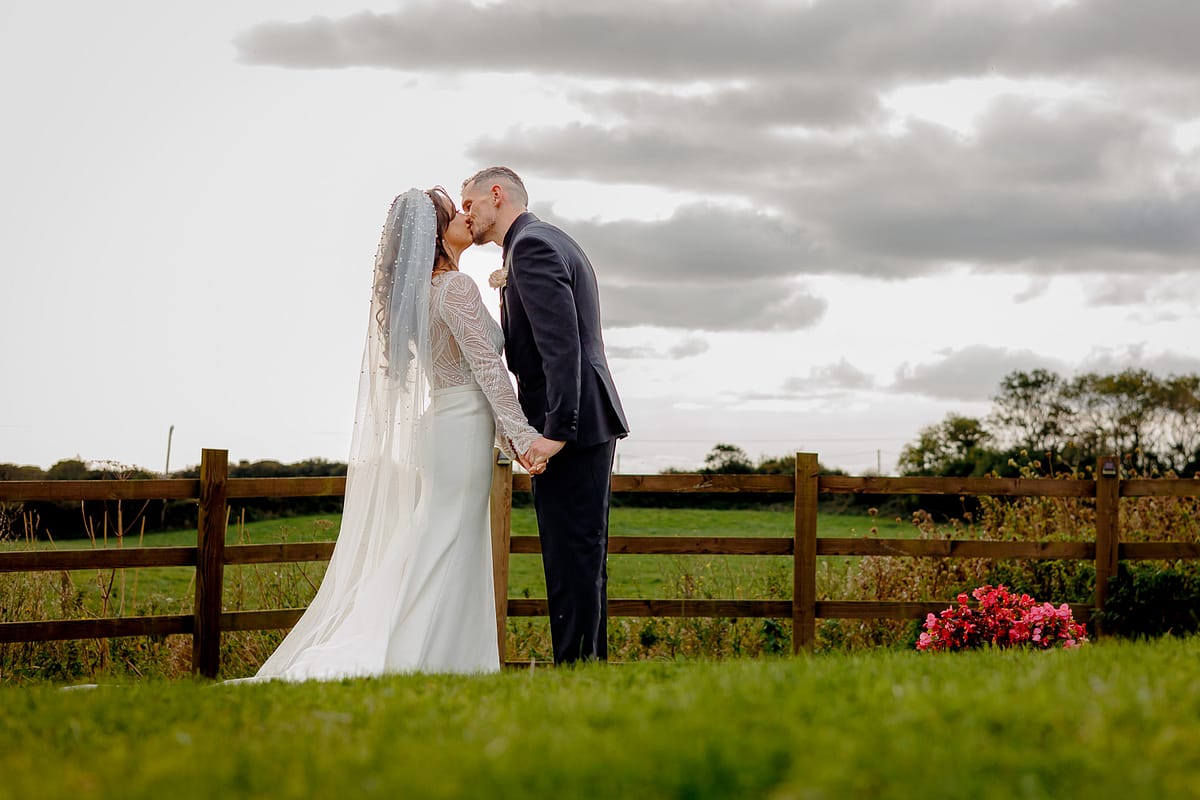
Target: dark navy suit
{"points": [[550, 313]]}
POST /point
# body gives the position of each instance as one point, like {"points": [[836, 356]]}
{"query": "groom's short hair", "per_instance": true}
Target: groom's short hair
{"points": [[503, 175]]}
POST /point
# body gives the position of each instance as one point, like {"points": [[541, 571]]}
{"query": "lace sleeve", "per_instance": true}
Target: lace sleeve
{"points": [[462, 309]]}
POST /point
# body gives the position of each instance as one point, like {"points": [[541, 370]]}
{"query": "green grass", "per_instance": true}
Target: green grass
{"points": [[1113, 720], [169, 589], [637, 576]]}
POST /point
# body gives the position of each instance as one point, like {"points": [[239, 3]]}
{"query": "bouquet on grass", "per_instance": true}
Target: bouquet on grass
{"points": [[1003, 619]]}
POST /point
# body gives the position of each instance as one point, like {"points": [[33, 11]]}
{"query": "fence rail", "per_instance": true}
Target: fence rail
{"points": [[214, 489]]}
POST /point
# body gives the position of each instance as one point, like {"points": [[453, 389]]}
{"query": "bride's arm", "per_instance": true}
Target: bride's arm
{"points": [[462, 309]]}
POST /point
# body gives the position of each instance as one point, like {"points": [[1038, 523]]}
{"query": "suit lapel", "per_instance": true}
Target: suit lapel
{"points": [[504, 294]]}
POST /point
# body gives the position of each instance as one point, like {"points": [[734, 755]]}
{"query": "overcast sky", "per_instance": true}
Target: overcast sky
{"points": [[817, 225]]}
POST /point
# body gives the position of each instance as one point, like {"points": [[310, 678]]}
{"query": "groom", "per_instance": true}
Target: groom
{"points": [[550, 313]]}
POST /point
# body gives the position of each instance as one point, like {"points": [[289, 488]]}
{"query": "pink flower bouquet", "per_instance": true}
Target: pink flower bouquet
{"points": [[1002, 619]]}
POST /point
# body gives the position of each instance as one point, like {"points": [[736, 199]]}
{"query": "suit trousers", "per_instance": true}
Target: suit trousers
{"points": [[571, 499]]}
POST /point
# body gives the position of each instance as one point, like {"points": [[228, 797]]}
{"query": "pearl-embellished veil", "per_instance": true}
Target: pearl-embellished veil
{"points": [[382, 510]]}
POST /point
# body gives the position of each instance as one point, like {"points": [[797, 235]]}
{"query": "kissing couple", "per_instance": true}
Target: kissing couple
{"points": [[409, 587]]}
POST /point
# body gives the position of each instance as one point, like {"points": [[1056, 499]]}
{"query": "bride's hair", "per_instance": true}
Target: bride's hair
{"points": [[446, 211]]}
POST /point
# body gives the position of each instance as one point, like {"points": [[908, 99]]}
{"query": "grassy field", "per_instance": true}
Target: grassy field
{"points": [[169, 589], [1112, 720], [133, 592]]}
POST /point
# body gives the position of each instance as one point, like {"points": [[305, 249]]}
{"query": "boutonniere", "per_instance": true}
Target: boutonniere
{"points": [[499, 278]]}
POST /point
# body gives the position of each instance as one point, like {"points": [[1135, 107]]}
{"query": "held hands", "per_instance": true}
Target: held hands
{"points": [[539, 454]]}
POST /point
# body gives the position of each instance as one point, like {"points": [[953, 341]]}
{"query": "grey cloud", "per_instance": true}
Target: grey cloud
{"points": [[1075, 143], [631, 352], [1076, 191], [843, 374], [697, 244], [709, 40], [972, 373], [830, 102], [1021, 232], [1087, 200], [778, 105], [692, 346], [1171, 96], [1116, 359], [926, 39], [1117, 291], [699, 159], [1114, 35], [812, 396], [760, 306], [839, 375], [1182, 289], [687, 348], [1154, 316], [1037, 286]]}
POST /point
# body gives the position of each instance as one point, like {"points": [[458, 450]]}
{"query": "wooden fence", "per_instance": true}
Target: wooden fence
{"points": [[214, 489]]}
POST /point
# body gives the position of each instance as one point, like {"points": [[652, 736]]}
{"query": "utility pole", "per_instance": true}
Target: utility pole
{"points": [[167, 468], [878, 462], [162, 520]]}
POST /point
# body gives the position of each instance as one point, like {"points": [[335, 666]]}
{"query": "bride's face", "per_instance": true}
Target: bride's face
{"points": [[457, 234]]}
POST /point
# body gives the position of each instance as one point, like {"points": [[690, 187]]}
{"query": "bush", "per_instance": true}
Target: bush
{"points": [[1150, 601]]}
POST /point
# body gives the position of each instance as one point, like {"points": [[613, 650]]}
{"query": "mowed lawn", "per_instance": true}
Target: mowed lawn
{"points": [[1111, 720], [169, 589]]}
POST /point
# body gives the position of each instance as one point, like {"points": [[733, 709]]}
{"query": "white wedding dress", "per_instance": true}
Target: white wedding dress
{"points": [[409, 587]]}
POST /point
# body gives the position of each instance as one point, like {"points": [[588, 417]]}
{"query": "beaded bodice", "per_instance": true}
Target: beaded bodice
{"points": [[466, 344]]}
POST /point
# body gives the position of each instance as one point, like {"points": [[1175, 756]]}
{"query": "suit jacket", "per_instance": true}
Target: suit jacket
{"points": [[550, 313]]}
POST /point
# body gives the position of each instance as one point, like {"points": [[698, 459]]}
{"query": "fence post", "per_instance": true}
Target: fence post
{"points": [[210, 563], [1108, 506], [804, 568], [501, 518]]}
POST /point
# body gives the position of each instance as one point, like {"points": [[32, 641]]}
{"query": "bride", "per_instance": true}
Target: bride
{"points": [[409, 586]]}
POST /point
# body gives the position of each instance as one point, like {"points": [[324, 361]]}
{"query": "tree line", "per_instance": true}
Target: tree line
{"points": [[1152, 423], [1038, 419], [1062, 424], [73, 520]]}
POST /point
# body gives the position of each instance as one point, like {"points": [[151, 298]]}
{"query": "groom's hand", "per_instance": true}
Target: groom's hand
{"points": [[540, 452]]}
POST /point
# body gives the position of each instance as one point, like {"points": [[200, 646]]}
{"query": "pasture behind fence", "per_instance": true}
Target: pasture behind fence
{"points": [[215, 489]]}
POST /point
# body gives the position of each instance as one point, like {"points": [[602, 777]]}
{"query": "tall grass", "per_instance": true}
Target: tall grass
{"points": [[1035, 519], [94, 593], [170, 590], [108, 593]]}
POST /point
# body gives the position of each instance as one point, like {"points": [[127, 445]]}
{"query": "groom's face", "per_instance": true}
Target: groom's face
{"points": [[480, 211]]}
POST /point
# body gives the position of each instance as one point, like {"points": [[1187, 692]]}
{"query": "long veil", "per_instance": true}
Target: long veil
{"points": [[382, 509]]}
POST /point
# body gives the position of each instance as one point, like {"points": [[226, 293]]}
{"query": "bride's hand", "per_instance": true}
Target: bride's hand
{"points": [[523, 459], [532, 466], [540, 453]]}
